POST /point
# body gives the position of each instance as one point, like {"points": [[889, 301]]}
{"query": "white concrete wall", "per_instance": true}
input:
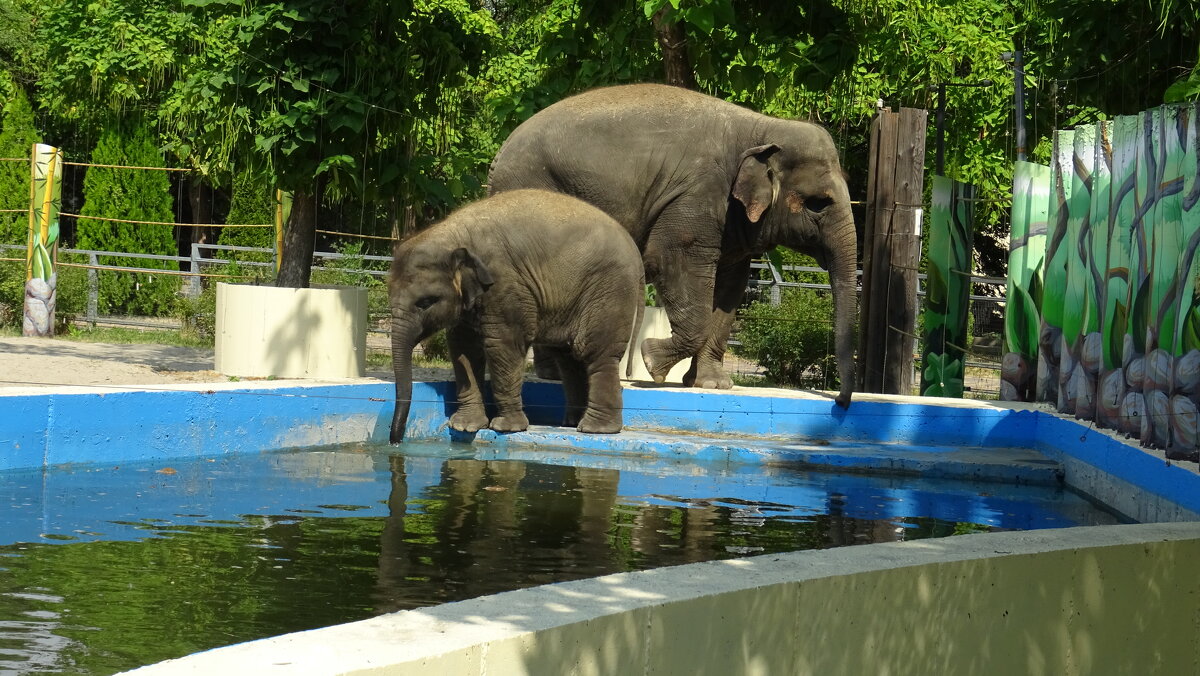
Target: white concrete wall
{"points": [[264, 331], [1099, 600]]}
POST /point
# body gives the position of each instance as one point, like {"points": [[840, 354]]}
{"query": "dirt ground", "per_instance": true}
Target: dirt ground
{"points": [[47, 362]]}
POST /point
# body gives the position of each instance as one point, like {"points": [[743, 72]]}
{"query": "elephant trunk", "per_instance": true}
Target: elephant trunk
{"points": [[402, 349], [841, 259]]}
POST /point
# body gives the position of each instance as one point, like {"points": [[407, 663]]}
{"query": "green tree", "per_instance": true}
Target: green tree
{"points": [[130, 195], [17, 136], [325, 95]]}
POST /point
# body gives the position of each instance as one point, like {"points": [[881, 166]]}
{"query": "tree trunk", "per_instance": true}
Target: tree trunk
{"points": [[677, 67], [299, 240], [200, 198]]}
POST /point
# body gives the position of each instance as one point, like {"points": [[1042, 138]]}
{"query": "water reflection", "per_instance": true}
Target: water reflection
{"points": [[104, 569]]}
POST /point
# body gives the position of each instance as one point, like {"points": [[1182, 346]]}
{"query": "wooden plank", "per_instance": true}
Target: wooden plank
{"points": [[905, 251], [868, 236], [883, 202]]}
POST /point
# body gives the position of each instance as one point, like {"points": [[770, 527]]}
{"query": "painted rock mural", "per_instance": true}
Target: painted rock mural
{"points": [[1103, 315]]}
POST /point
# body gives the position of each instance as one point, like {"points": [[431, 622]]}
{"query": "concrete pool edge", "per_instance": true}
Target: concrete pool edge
{"points": [[87, 425], [1016, 602]]}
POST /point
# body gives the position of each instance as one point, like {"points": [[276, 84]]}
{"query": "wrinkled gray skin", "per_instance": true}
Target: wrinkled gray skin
{"points": [[524, 268], [703, 186]]}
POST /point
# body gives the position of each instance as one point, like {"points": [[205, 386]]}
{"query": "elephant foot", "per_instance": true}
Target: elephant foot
{"points": [[657, 358], [510, 423], [708, 375], [471, 420], [593, 423]]}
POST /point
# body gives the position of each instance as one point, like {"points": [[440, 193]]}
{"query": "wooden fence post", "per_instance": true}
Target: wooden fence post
{"points": [[891, 250]]}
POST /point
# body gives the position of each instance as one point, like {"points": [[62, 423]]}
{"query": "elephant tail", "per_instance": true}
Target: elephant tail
{"points": [[637, 329]]}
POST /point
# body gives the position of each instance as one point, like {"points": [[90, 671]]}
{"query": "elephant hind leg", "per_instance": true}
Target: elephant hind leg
{"points": [[604, 402]]}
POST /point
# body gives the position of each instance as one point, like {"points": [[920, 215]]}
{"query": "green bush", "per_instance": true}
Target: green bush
{"points": [[130, 194], [794, 341], [12, 292]]}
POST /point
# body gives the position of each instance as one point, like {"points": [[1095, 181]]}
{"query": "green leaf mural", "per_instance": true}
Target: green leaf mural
{"points": [[1027, 250], [1054, 272], [947, 288]]}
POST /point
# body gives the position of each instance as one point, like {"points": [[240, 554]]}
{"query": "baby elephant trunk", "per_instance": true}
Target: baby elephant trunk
{"points": [[402, 349]]}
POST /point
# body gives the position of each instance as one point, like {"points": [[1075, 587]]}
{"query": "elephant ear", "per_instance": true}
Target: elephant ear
{"points": [[471, 275], [753, 186]]}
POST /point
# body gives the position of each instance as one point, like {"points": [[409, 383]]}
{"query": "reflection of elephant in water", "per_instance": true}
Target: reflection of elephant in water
{"points": [[524, 268], [703, 186]]}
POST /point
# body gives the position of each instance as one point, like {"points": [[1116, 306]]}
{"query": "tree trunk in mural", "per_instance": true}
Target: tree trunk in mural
{"points": [[41, 278]]}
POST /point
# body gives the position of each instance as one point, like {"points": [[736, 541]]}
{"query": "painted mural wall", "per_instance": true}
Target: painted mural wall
{"points": [[1103, 317], [947, 288]]}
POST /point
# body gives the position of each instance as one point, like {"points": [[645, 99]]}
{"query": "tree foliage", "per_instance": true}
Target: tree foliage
{"points": [[401, 105]]}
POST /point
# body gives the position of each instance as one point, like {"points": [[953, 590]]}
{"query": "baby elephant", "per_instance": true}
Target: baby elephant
{"points": [[522, 268]]}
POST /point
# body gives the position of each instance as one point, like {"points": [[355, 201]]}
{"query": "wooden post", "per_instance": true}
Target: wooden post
{"points": [[891, 249]]}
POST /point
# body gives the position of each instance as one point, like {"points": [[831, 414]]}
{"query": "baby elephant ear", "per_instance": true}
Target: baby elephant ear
{"points": [[753, 186], [472, 274]]}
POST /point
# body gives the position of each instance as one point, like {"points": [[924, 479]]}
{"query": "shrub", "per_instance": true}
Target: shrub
{"points": [[794, 341]]}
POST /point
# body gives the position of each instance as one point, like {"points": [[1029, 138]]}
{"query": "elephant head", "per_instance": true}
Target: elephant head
{"points": [[794, 192], [432, 285]]}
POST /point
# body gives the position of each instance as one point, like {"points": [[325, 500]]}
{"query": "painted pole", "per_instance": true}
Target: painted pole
{"points": [[41, 278]]}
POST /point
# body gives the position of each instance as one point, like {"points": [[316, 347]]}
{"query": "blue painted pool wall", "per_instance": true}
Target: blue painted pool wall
{"points": [[54, 429], [50, 429], [1057, 436], [868, 421], [37, 430]]}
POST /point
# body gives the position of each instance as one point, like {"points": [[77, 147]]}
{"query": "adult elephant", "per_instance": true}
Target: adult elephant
{"points": [[703, 186]]}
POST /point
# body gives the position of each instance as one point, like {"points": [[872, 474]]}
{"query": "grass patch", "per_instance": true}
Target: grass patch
{"points": [[120, 335]]}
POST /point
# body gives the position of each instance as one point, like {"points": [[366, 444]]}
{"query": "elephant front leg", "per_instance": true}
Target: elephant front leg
{"points": [[708, 366], [467, 356], [603, 414], [506, 363], [684, 280]]}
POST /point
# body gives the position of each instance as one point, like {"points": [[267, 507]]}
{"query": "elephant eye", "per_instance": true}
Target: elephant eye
{"points": [[817, 204], [425, 302]]}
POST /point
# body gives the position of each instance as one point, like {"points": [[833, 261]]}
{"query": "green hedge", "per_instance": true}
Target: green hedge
{"points": [[130, 194]]}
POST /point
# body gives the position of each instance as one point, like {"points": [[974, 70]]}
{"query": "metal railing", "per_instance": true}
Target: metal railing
{"points": [[985, 308]]}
